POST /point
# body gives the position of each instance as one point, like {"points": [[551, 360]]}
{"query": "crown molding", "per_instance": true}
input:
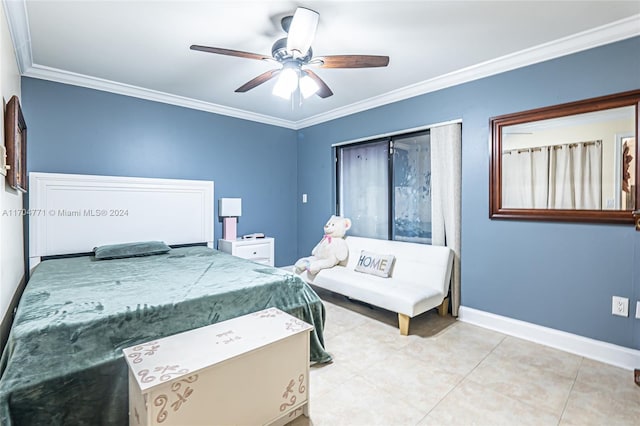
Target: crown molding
{"points": [[610, 33], [18, 23], [67, 77], [17, 18]]}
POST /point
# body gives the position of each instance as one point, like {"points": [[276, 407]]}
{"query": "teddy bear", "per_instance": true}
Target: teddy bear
{"points": [[330, 251]]}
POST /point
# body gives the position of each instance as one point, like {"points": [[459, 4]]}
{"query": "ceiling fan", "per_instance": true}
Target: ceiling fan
{"points": [[295, 55]]}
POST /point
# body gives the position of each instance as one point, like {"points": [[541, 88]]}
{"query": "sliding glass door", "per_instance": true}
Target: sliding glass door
{"points": [[364, 188], [384, 187]]}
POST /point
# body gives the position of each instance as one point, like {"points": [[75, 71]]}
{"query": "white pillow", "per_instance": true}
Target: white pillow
{"points": [[375, 264]]}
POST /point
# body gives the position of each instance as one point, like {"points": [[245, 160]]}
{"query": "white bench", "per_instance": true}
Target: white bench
{"points": [[419, 279]]}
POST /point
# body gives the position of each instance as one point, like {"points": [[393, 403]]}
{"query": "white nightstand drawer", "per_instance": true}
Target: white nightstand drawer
{"points": [[255, 251], [259, 250]]}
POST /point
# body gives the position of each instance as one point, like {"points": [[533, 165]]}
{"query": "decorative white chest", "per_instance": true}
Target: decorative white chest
{"points": [[259, 250], [250, 370]]}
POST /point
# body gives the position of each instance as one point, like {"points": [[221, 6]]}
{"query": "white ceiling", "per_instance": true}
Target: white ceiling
{"points": [[141, 48]]}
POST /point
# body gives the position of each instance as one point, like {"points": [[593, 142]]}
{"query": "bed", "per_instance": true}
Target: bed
{"points": [[63, 363]]}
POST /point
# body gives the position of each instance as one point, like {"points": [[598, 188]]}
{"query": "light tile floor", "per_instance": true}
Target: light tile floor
{"points": [[448, 372]]}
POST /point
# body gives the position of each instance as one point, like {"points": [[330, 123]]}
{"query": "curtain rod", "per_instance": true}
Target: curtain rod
{"points": [[559, 146]]}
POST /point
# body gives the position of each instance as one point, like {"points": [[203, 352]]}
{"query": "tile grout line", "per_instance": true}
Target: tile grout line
{"points": [[575, 379], [486, 356], [529, 403], [462, 379], [510, 397]]}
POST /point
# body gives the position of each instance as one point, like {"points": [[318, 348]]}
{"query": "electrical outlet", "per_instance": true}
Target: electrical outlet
{"points": [[304, 198], [638, 309], [620, 306]]}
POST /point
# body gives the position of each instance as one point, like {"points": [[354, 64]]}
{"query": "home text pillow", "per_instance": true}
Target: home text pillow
{"points": [[121, 251], [375, 264]]}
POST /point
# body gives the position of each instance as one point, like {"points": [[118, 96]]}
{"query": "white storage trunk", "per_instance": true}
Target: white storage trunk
{"points": [[250, 370]]}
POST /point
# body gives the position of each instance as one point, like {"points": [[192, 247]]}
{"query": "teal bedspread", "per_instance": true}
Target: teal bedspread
{"points": [[63, 364]]}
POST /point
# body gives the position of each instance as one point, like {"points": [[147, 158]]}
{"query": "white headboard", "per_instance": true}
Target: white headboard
{"points": [[75, 213]]}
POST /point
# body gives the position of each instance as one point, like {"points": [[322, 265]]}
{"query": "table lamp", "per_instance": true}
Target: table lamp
{"points": [[229, 209]]}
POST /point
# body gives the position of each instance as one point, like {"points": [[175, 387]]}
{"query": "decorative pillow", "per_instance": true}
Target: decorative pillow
{"points": [[375, 264], [121, 251]]}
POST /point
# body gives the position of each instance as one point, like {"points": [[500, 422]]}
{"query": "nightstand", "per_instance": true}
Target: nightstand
{"points": [[260, 250]]}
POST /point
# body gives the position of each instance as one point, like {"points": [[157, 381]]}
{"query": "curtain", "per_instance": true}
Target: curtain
{"points": [[364, 195], [525, 175], [575, 176], [587, 175], [560, 178], [446, 197], [565, 176]]}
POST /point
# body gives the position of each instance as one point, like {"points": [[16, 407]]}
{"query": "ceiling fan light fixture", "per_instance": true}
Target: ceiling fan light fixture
{"points": [[294, 53], [287, 83], [302, 31], [308, 86]]}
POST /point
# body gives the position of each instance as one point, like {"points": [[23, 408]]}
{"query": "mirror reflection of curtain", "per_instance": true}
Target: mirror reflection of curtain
{"points": [[364, 189], [588, 175], [575, 176], [565, 176], [560, 179], [525, 175]]}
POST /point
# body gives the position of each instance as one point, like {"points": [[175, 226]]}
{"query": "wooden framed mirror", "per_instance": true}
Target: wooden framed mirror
{"points": [[575, 162]]}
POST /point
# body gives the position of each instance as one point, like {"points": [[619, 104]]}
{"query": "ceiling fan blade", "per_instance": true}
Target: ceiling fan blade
{"points": [[264, 77], [323, 89], [352, 61], [229, 52], [302, 31]]}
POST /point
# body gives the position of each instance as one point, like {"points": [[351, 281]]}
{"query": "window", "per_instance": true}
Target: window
{"points": [[384, 187]]}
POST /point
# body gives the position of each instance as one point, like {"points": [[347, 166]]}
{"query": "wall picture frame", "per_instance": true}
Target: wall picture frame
{"points": [[15, 138]]}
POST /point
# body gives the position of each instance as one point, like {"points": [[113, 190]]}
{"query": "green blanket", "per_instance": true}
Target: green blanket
{"points": [[63, 364]]}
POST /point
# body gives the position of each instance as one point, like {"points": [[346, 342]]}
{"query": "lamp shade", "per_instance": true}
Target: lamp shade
{"points": [[308, 86], [230, 207], [287, 83]]}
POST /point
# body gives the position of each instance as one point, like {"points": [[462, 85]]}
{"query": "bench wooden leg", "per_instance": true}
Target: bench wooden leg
{"points": [[444, 307], [403, 321]]}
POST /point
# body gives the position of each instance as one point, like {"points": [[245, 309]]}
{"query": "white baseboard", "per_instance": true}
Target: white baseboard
{"points": [[619, 356]]}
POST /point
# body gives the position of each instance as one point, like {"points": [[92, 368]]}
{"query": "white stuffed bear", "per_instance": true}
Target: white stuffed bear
{"points": [[330, 251]]}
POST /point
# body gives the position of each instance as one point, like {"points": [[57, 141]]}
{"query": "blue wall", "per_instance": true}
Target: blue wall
{"points": [[78, 130], [556, 275]]}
